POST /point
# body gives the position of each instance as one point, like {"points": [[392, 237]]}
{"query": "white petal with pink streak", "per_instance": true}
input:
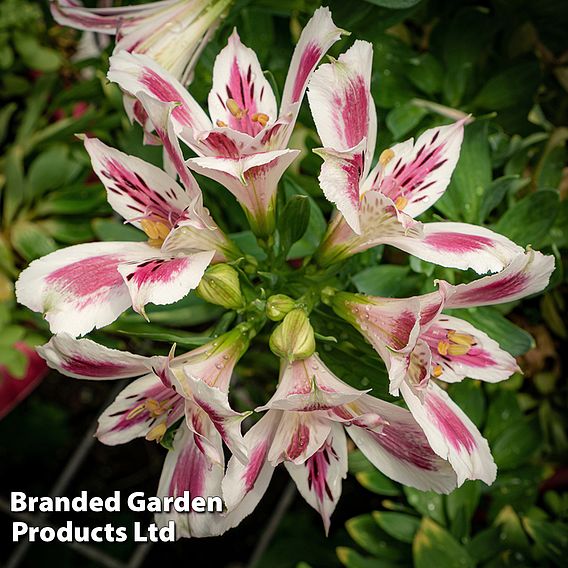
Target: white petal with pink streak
{"points": [[237, 76], [319, 478], [130, 417], [85, 359], [452, 435]]}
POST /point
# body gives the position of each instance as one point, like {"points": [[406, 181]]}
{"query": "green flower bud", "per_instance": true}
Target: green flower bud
{"points": [[278, 306], [220, 286], [294, 337]]}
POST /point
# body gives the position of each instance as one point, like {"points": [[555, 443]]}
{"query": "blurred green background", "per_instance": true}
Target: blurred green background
{"points": [[506, 63]]}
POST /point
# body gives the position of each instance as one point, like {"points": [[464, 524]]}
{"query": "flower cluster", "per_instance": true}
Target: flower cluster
{"points": [[243, 144]]}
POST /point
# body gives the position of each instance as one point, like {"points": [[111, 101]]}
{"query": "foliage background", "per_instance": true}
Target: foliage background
{"points": [[503, 61]]}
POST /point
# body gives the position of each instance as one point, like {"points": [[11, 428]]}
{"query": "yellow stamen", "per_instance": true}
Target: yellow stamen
{"points": [[260, 117], [458, 349], [461, 338], [155, 408], [437, 371], [443, 347], [401, 202], [235, 109], [136, 411], [385, 157], [221, 124], [157, 432], [156, 231]]}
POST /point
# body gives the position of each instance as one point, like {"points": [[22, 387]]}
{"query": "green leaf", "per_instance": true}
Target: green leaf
{"points": [[30, 241], [387, 280], [427, 73], [529, 221], [472, 175], [115, 230], [69, 232], [394, 4], [463, 500], [510, 337], [157, 333], [468, 395], [404, 118], [35, 55], [514, 86], [552, 538], [352, 559], [369, 536], [504, 411], [377, 482], [293, 221], [434, 546], [485, 544], [398, 525], [50, 170], [496, 191], [317, 225], [516, 445], [427, 503], [73, 200], [14, 360]]}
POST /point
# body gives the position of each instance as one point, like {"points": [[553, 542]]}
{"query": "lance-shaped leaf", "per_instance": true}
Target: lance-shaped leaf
{"points": [[85, 359], [400, 449], [415, 175], [146, 407], [188, 468], [460, 350], [527, 274], [319, 478], [240, 97], [451, 434]]}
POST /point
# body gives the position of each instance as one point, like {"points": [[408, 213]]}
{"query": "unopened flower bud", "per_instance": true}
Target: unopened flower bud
{"points": [[294, 338], [220, 286], [278, 306]]}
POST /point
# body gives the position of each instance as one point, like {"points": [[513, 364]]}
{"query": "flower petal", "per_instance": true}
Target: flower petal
{"points": [[460, 350], [136, 73], [85, 359], [79, 288], [163, 279], [298, 436], [319, 478], [241, 97], [159, 114], [215, 403], [460, 245], [316, 38], [401, 451], [340, 100], [340, 179], [253, 180], [245, 484], [416, 175], [452, 435], [137, 190], [307, 385], [527, 274], [137, 409], [188, 468]]}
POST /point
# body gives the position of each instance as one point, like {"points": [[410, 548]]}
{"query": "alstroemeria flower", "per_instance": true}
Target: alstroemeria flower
{"points": [[445, 348], [194, 385], [378, 206], [242, 143], [304, 429], [172, 32], [89, 285]]}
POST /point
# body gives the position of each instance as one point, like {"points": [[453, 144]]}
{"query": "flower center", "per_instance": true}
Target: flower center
{"points": [[456, 344], [156, 232]]}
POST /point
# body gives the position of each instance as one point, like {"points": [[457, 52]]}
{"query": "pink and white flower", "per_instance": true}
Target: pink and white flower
{"points": [[89, 285], [172, 32], [194, 385], [242, 143], [420, 345], [304, 429], [378, 206]]}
